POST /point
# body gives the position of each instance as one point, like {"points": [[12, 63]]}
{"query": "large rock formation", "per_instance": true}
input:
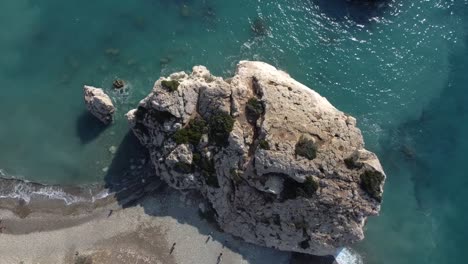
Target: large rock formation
{"points": [[99, 104], [280, 166]]}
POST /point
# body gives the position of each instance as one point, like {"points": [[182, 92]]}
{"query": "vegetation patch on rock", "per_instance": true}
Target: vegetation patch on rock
{"points": [[253, 110], [192, 133], [207, 169], [263, 144], [182, 167], [306, 148], [171, 85], [220, 126], [370, 182], [349, 162], [235, 175]]}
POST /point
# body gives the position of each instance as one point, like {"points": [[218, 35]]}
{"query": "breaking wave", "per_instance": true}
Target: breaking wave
{"points": [[348, 256], [13, 188]]}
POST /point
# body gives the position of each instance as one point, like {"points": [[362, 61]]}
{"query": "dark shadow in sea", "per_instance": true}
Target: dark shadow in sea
{"points": [[88, 127], [130, 175], [359, 11], [298, 258]]}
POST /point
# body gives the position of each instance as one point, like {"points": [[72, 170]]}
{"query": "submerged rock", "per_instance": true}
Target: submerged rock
{"points": [[280, 166], [118, 84], [185, 10], [260, 27], [99, 104]]}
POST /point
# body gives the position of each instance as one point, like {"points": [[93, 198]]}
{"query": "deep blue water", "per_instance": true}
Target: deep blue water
{"points": [[399, 66]]}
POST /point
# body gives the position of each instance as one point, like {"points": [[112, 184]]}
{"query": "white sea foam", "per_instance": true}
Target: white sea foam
{"points": [[348, 256], [12, 187], [56, 193], [26, 191], [101, 195]]}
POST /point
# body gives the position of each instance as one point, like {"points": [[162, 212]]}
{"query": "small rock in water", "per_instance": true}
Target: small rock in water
{"points": [[164, 61], [65, 79], [140, 23], [73, 62], [259, 27], [99, 104], [112, 51], [106, 169], [113, 150], [131, 62], [118, 84], [185, 11]]}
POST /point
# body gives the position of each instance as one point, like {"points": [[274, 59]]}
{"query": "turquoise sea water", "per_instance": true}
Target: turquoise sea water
{"points": [[399, 66]]}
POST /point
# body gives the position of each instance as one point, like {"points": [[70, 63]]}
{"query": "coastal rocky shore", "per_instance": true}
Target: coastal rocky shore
{"points": [[278, 165]]}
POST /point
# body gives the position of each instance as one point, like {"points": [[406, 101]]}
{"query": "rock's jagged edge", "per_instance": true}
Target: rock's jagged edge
{"points": [[292, 173]]}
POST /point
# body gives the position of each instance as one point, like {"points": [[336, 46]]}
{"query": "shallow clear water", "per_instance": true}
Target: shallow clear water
{"points": [[398, 66]]}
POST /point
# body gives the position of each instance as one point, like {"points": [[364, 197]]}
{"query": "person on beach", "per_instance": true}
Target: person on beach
{"points": [[220, 258], [210, 236], [172, 248]]}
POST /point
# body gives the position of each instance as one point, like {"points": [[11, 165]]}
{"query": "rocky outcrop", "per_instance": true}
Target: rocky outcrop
{"points": [[99, 104], [278, 164]]}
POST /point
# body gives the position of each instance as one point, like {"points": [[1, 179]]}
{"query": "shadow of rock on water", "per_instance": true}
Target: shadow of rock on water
{"points": [[132, 178], [88, 127], [130, 175], [298, 258], [359, 11]]}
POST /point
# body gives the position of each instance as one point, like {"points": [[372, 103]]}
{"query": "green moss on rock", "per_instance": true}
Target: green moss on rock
{"points": [[171, 85], [253, 110], [235, 175], [263, 144], [310, 186], [182, 167], [192, 133], [207, 169], [370, 182], [349, 162], [306, 147], [220, 126]]}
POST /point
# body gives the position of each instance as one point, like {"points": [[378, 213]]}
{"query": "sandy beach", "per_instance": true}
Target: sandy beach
{"points": [[105, 232]]}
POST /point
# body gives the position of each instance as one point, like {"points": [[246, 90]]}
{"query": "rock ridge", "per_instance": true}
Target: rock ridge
{"points": [[277, 163]]}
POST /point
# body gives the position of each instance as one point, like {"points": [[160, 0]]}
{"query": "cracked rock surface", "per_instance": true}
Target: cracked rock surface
{"points": [[277, 163]]}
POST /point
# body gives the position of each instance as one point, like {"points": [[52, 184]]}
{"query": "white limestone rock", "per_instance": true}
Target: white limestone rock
{"points": [[99, 104], [280, 165]]}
